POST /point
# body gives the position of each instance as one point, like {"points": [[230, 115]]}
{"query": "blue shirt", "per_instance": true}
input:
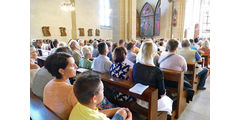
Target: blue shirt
{"points": [[197, 56], [193, 47], [110, 55]]}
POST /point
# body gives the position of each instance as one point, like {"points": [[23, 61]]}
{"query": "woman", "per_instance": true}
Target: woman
{"points": [[33, 67], [58, 95], [146, 73], [205, 49], [121, 70], [85, 62], [55, 46]]}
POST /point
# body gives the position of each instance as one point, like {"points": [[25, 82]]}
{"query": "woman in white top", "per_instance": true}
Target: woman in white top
{"points": [[33, 67]]}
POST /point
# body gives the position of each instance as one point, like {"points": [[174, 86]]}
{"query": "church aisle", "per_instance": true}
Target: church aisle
{"points": [[199, 108]]}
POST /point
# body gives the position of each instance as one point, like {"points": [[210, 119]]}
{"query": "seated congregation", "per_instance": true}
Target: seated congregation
{"points": [[102, 92]]}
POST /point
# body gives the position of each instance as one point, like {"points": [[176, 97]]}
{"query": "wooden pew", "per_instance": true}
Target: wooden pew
{"points": [[207, 58], [150, 95], [40, 112], [191, 66], [176, 76]]}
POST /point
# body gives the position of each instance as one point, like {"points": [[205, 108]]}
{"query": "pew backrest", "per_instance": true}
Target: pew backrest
{"points": [[150, 94], [207, 58], [38, 111], [191, 66], [177, 76]]}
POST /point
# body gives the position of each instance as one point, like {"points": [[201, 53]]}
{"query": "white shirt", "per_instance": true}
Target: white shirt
{"points": [[175, 62], [101, 64], [131, 56]]}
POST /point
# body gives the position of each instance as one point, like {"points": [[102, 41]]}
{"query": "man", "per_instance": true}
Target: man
{"points": [[81, 44], [95, 52], [193, 56], [171, 60], [121, 43], [109, 44], [75, 48], [130, 52], [102, 63]]}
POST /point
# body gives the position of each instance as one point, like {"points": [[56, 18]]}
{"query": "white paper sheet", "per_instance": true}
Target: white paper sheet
{"points": [[164, 104], [81, 70], [138, 88]]}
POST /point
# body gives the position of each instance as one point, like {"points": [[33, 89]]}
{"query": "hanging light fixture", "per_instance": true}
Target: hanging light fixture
{"points": [[67, 6]]}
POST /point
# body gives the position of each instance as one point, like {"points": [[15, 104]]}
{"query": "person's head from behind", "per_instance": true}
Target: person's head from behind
{"points": [[81, 42], [102, 48], [119, 54], [88, 89], [87, 52], [109, 44], [115, 45], [95, 44], [147, 52], [55, 43], [185, 43], [64, 49], [130, 46], [172, 45], [196, 40], [61, 65], [121, 43], [161, 43], [33, 52], [191, 41], [39, 44], [205, 45], [62, 44], [74, 45]]}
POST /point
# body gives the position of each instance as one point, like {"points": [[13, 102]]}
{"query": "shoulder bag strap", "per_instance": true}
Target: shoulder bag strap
{"points": [[165, 58]]}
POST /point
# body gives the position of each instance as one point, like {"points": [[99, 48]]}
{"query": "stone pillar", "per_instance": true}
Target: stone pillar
{"points": [[115, 20], [132, 19], [124, 20], [178, 31], [73, 17]]}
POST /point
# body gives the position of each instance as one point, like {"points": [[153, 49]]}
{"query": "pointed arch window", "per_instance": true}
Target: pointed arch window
{"points": [[157, 18], [147, 21]]}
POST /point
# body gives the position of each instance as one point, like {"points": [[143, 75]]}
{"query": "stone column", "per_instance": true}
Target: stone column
{"points": [[124, 20], [115, 20], [178, 31], [132, 19], [73, 17]]}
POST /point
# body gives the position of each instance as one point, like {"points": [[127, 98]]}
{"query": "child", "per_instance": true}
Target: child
{"points": [[88, 89]]}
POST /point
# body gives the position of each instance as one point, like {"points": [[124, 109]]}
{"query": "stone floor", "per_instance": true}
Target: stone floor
{"points": [[199, 108]]}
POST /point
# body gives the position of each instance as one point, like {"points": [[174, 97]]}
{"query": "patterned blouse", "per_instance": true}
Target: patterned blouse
{"points": [[119, 70], [85, 63]]}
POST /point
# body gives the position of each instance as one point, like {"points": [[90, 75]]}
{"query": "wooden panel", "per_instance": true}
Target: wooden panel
{"points": [[150, 95], [177, 76], [207, 59], [192, 67], [40, 112]]}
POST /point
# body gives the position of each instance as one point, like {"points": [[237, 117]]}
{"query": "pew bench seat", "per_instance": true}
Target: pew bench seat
{"points": [[38, 111]]}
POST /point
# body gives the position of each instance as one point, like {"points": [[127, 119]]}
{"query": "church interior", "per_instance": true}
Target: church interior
{"points": [[159, 46]]}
